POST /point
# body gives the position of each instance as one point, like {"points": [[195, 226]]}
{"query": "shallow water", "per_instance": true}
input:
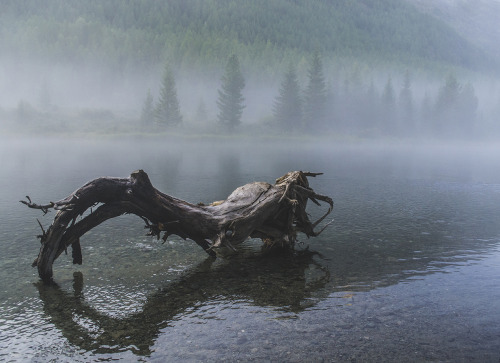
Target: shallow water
{"points": [[408, 271]]}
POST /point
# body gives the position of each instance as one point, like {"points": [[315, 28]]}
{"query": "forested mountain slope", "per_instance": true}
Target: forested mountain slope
{"points": [[202, 33], [475, 20]]}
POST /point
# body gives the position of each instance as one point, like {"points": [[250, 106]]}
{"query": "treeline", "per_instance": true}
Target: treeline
{"points": [[449, 110], [266, 35], [352, 107], [315, 103], [166, 112], [308, 49]]}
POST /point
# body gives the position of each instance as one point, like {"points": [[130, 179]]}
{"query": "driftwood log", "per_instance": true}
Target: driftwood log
{"points": [[273, 213]]}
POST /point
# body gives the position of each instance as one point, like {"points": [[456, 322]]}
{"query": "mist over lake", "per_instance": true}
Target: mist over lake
{"points": [[396, 102], [408, 270]]}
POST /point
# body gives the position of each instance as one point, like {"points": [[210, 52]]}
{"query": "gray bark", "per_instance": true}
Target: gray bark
{"points": [[273, 213]]}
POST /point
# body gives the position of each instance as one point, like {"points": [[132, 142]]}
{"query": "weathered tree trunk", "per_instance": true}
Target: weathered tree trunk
{"points": [[273, 213]]}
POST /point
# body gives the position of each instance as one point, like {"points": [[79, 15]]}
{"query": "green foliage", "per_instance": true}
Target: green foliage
{"points": [[455, 108], [388, 96], [406, 114], [388, 109], [288, 104], [467, 107], [167, 109], [315, 95], [448, 94], [200, 36], [148, 111], [203, 33], [230, 100]]}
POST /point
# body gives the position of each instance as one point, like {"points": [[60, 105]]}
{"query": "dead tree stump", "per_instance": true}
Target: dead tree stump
{"points": [[273, 213]]}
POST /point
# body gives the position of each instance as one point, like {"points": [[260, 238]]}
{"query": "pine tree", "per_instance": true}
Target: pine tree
{"points": [[167, 109], [456, 108], [288, 104], [370, 110], [148, 112], [446, 107], [467, 110], [406, 106], [426, 116], [315, 95], [388, 109], [354, 97], [230, 101], [448, 94]]}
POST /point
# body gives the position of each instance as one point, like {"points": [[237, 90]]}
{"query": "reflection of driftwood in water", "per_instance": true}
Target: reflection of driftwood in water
{"points": [[260, 280], [273, 213]]}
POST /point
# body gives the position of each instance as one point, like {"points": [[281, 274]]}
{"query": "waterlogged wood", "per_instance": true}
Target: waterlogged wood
{"points": [[273, 213]]}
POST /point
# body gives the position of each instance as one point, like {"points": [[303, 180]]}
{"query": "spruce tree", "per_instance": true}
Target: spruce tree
{"points": [[148, 113], [406, 106], [446, 106], [315, 95], [448, 94], [456, 108], [425, 124], [389, 121], [230, 101], [288, 104], [467, 110], [370, 109], [167, 109]]}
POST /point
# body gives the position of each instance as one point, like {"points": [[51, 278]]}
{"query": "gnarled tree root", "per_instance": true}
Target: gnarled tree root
{"points": [[273, 213]]}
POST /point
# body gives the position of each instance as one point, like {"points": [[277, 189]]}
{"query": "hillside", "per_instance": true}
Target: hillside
{"points": [[475, 20], [201, 33]]}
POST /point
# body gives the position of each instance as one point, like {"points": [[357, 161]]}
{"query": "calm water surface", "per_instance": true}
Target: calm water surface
{"points": [[408, 271]]}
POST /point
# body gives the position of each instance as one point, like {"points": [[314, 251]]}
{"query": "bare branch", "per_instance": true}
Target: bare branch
{"points": [[253, 210]]}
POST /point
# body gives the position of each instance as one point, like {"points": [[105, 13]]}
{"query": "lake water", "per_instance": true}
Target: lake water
{"points": [[408, 271]]}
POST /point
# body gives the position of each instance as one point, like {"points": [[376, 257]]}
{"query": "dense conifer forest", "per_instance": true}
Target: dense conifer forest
{"points": [[367, 68], [206, 32]]}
